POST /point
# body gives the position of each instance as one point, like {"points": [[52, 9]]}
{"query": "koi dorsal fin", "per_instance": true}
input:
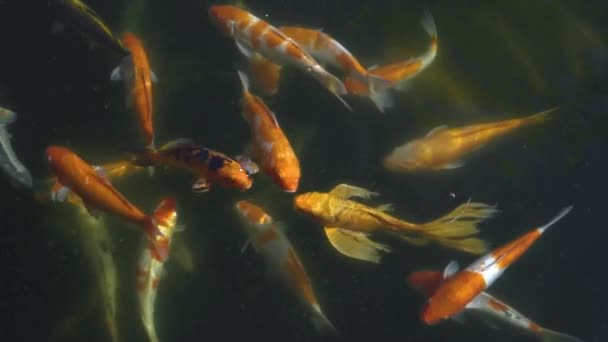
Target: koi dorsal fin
{"points": [[181, 142], [436, 130]]}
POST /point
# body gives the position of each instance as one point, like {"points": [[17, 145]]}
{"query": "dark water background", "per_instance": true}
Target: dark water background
{"points": [[495, 61]]}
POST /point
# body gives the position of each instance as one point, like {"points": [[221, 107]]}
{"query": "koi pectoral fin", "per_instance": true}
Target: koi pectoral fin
{"points": [[356, 245], [346, 191], [59, 192], [201, 185]]}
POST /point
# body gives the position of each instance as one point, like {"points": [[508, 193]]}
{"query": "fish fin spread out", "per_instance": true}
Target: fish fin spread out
{"points": [[116, 74], [346, 191], [375, 84], [356, 245], [436, 130], [333, 84], [451, 269], [59, 192], [415, 241], [165, 216], [540, 117], [321, 322], [382, 99], [455, 229], [201, 185], [557, 217], [548, 335], [180, 142], [153, 76], [453, 165], [243, 49], [428, 23], [386, 207]]}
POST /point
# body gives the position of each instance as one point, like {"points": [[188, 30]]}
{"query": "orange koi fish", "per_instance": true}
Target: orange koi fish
{"points": [[150, 268], [97, 193], [460, 290], [444, 148], [135, 71], [489, 307], [326, 49], [395, 75], [265, 74], [268, 240], [348, 224], [209, 166], [270, 147], [253, 35]]}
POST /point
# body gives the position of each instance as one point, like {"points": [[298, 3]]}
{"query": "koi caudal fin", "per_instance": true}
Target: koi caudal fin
{"points": [[554, 336], [331, 83], [160, 226], [455, 229], [320, 321], [539, 117]]}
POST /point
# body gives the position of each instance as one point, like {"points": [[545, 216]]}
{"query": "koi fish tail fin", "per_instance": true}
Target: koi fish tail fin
{"points": [[321, 322], [331, 83], [554, 336], [455, 229], [160, 227], [428, 23], [382, 99], [557, 217], [356, 245], [539, 117]]}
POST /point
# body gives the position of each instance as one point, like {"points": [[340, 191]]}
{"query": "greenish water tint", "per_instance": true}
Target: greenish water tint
{"points": [[496, 60]]}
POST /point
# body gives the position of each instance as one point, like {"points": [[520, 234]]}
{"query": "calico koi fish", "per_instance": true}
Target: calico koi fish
{"points": [[74, 175], [461, 290], [270, 147], [348, 223], [89, 23], [135, 71], [209, 166], [253, 35], [444, 148], [150, 267], [395, 75], [282, 259], [9, 163], [489, 307]]}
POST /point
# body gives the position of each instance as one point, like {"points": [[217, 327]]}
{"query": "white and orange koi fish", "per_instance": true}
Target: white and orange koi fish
{"points": [[461, 290], [489, 307], [150, 267], [268, 240], [253, 35]]}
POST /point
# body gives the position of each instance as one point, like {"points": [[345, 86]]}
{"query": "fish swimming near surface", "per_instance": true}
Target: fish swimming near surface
{"points": [[445, 148], [395, 75], [489, 309], [9, 163], [135, 71], [88, 23], [77, 177], [348, 224], [209, 166], [253, 35], [150, 267], [267, 239], [269, 145], [461, 290]]}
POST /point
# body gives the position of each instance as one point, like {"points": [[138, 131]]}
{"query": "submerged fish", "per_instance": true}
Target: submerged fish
{"points": [[395, 75], [89, 23], [282, 259], [9, 163], [265, 74], [150, 267], [269, 144], [445, 148], [209, 166], [348, 223], [135, 71], [461, 290], [253, 35], [74, 175], [488, 308]]}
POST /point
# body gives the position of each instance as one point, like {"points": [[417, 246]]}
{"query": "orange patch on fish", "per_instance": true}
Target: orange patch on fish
{"points": [[510, 252], [535, 327], [155, 283], [256, 33], [273, 39], [299, 277], [266, 236], [497, 305]]}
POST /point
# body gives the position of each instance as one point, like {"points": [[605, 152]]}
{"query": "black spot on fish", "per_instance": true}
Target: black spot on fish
{"points": [[216, 163], [204, 154]]}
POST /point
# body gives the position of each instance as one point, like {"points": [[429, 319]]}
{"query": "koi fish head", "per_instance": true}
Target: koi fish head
{"points": [[129, 39], [311, 204], [231, 174], [288, 178], [56, 157], [225, 17], [252, 213]]}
